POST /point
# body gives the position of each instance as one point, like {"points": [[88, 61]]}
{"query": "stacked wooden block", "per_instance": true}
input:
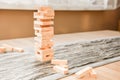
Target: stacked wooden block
{"points": [[44, 31]]}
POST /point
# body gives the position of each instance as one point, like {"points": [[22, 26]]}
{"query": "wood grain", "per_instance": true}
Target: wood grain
{"points": [[23, 66]]}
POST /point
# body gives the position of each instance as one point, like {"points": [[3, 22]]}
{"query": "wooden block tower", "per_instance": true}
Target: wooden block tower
{"points": [[44, 31]]}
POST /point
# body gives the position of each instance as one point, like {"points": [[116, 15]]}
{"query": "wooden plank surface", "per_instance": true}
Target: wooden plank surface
{"points": [[23, 66]]}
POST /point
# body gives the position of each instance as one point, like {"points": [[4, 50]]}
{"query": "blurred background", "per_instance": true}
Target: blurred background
{"points": [[16, 16]]}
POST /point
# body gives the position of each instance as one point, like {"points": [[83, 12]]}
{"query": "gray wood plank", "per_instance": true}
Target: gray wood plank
{"points": [[78, 48]]}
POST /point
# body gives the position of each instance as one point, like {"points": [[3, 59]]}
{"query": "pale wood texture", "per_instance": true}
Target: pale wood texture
{"points": [[106, 72], [23, 66]]}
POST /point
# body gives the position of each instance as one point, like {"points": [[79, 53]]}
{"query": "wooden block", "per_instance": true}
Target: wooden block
{"points": [[41, 37], [65, 66], [93, 74], [2, 49], [43, 20], [60, 69], [46, 11], [83, 72], [39, 26], [73, 77], [8, 47], [59, 62], [43, 23], [44, 29], [85, 77], [43, 44], [44, 55], [41, 17], [44, 51], [18, 50], [44, 8], [44, 33]]}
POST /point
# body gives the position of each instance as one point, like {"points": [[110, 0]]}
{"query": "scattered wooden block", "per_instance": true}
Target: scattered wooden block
{"points": [[83, 72], [60, 69], [18, 50], [85, 77], [44, 55], [59, 62], [2, 49], [8, 47], [93, 74], [65, 66]]}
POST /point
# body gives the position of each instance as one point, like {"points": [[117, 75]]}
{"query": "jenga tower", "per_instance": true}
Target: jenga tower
{"points": [[44, 31]]}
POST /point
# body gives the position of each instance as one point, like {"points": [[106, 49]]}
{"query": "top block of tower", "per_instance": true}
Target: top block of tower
{"points": [[46, 11]]}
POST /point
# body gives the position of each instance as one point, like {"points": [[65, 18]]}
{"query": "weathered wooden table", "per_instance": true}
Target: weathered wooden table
{"points": [[24, 66]]}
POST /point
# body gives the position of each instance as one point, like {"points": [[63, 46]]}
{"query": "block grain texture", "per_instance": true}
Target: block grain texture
{"points": [[83, 72], [60, 69], [78, 48], [2, 49], [59, 62]]}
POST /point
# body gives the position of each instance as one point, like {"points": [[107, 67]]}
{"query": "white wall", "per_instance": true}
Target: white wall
{"points": [[60, 4]]}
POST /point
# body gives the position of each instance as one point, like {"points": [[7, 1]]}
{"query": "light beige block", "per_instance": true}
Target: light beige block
{"points": [[44, 55], [60, 69], [46, 11], [44, 44], [59, 62], [83, 72], [65, 66], [41, 17], [43, 29], [41, 37], [2, 49], [39, 26], [18, 49], [9, 48], [44, 33], [93, 74], [43, 23]]}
